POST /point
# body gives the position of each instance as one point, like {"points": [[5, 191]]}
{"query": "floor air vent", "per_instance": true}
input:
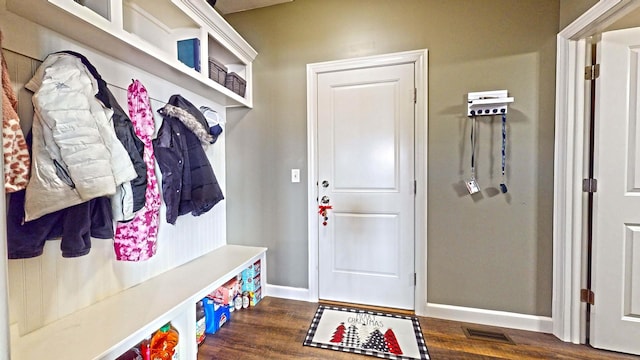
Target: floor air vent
{"points": [[489, 335]]}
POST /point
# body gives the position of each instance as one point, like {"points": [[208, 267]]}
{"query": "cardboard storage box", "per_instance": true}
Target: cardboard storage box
{"points": [[251, 284], [227, 292], [255, 297], [252, 271]]}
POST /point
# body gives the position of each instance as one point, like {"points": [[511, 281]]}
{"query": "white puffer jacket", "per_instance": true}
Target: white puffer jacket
{"points": [[76, 155]]}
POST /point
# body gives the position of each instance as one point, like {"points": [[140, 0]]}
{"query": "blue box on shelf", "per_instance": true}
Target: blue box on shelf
{"points": [[251, 284], [189, 53], [216, 315], [252, 271]]}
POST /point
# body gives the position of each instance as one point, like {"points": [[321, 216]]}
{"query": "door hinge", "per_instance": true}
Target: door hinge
{"points": [[415, 95], [415, 187], [589, 185], [587, 296], [415, 279], [591, 72]]}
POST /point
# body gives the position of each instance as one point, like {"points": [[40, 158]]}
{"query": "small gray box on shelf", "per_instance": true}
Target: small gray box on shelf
{"points": [[235, 83], [217, 72]]}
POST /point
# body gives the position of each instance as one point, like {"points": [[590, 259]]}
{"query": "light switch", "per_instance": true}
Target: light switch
{"points": [[295, 175]]}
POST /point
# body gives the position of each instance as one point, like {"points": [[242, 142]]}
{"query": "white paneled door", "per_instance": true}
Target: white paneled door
{"points": [[615, 317], [366, 174]]}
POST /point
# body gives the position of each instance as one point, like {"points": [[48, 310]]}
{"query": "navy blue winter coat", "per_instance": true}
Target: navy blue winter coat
{"points": [[188, 182]]}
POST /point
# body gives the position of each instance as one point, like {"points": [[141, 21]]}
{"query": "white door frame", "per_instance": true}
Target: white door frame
{"points": [[419, 58], [569, 169], [4, 275]]}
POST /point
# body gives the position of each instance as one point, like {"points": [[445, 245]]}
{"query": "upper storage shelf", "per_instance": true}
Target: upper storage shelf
{"points": [[146, 33]]}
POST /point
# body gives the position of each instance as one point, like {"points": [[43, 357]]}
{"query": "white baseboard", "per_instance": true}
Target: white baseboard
{"points": [[287, 292], [505, 319]]}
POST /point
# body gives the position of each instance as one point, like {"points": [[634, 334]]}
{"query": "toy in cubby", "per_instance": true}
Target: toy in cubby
{"points": [[252, 271], [225, 294], [135, 353], [251, 277], [255, 297], [201, 322], [164, 343], [215, 315], [160, 345], [251, 282]]}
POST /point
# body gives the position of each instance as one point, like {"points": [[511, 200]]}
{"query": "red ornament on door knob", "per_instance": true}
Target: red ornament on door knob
{"points": [[322, 210]]}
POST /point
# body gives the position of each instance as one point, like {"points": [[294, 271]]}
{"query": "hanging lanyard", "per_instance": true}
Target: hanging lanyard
{"points": [[473, 147], [503, 185], [472, 184]]}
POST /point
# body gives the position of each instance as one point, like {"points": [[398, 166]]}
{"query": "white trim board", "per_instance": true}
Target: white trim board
{"points": [[569, 166], [419, 58], [448, 312], [287, 292], [491, 317]]}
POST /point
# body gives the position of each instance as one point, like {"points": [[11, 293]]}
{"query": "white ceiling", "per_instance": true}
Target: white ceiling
{"points": [[232, 6]]}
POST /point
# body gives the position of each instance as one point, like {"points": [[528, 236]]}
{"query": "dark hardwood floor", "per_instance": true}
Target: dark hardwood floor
{"points": [[276, 328]]}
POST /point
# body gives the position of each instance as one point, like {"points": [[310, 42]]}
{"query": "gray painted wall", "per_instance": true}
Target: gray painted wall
{"points": [[492, 251], [572, 9]]}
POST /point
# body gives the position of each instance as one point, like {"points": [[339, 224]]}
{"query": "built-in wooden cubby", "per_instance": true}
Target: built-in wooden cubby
{"points": [[103, 323], [144, 33], [112, 326]]}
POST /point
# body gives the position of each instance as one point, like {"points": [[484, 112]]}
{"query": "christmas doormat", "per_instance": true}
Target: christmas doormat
{"points": [[378, 334]]}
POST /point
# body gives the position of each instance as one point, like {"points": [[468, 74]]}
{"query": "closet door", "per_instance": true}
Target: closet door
{"points": [[615, 316]]}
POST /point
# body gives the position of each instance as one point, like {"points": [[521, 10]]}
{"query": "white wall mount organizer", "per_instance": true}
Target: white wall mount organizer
{"points": [[487, 103], [483, 103]]}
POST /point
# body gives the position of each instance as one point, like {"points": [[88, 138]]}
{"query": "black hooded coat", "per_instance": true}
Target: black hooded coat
{"points": [[188, 182]]}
